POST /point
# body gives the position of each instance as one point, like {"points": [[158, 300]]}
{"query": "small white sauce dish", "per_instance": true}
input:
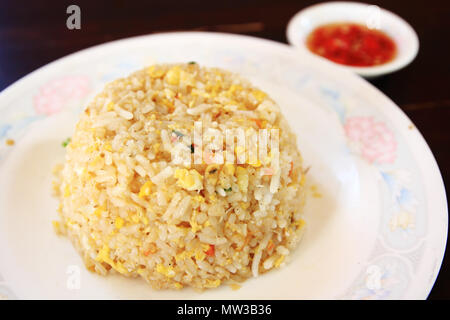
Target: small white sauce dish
{"points": [[404, 36]]}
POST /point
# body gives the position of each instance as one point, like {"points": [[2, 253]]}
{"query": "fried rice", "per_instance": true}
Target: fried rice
{"points": [[128, 208]]}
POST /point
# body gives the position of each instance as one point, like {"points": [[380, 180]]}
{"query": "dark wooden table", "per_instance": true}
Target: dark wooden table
{"points": [[34, 33]]}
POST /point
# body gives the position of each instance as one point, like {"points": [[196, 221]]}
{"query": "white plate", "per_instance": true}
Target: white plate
{"points": [[305, 21], [378, 230]]}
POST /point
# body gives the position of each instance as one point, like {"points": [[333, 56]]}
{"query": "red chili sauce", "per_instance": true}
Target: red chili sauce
{"points": [[351, 44]]}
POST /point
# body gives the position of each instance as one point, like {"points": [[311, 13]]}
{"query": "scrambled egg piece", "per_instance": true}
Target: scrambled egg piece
{"points": [[108, 147], [97, 161], [242, 176], [199, 199], [183, 255], [119, 222], [212, 283], [233, 88], [140, 271], [200, 255], [156, 147], [239, 150], [167, 271], [119, 267], [145, 189], [193, 221], [300, 223], [244, 205], [254, 163], [155, 72], [103, 256], [56, 227], [178, 285], [110, 106], [228, 169], [279, 261], [173, 76], [235, 286], [139, 217], [189, 179], [259, 95], [67, 191]]}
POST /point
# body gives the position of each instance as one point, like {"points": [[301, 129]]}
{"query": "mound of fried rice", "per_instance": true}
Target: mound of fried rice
{"points": [[128, 209]]}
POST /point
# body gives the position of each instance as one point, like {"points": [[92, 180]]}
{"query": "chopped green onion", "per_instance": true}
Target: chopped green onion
{"points": [[228, 190], [177, 133], [65, 142], [192, 62]]}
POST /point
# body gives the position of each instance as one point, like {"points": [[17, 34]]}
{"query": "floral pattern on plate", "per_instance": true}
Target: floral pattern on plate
{"points": [[53, 96], [373, 140]]}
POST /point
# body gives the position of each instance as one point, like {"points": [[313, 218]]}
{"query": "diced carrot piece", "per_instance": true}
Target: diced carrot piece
{"points": [[270, 245], [258, 123], [152, 249], [211, 250]]}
